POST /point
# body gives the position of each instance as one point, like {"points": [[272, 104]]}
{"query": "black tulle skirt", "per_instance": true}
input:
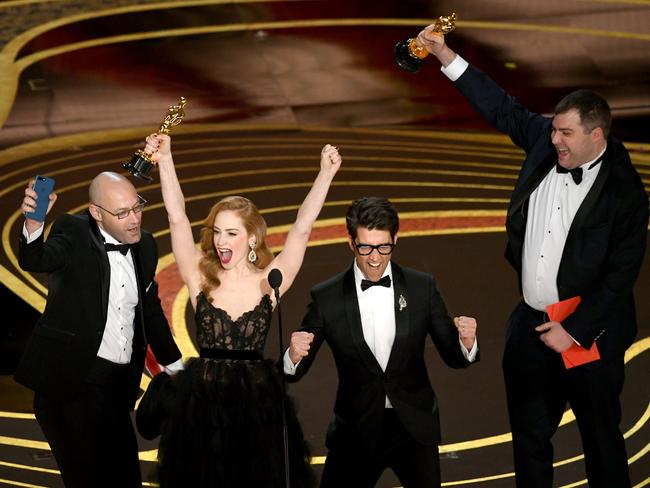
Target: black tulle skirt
{"points": [[220, 423]]}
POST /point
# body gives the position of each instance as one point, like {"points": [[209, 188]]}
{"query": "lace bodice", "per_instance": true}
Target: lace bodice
{"points": [[215, 329]]}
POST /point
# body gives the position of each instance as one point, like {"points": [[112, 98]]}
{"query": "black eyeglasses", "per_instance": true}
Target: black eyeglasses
{"points": [[122, 214], [366, 249]]}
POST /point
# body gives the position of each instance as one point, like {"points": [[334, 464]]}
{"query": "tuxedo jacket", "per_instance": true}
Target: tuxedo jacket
{"points": [[333, 316], [606, 242], [66, 338]]}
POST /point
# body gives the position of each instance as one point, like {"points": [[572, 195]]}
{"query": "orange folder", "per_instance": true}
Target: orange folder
{"points": [[575, 355]]}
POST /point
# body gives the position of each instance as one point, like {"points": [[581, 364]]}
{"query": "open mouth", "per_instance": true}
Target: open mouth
{"points": [[225, 255]]}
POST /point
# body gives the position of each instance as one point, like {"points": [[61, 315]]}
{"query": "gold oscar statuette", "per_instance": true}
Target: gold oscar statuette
{"points": [[141, 163], [409, 55]]}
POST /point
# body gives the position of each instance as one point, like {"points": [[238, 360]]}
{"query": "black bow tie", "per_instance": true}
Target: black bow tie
{"points": [[123, 248], [576, 173], [385, 281]]}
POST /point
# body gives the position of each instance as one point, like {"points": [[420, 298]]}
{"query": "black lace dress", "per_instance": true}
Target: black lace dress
{"points": [[220, 419]]}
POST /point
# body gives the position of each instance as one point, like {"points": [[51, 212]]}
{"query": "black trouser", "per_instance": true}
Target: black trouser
{"points": [[91, 433], [416, 465], [538, 387]]}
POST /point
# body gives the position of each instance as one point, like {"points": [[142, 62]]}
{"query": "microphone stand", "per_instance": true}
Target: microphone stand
{"points": [[285, 433]]}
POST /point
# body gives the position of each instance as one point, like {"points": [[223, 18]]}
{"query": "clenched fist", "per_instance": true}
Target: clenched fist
{"points": [[300, 344], [330, 160], [466, 330]]}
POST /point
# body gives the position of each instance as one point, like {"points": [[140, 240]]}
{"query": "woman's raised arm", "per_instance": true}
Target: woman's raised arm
{"points": [[183, 246], [290, 259]]}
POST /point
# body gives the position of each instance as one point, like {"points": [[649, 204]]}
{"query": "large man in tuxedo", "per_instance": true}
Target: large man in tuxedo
{"points": [[576, 225], [86, 354], [376, 316]]}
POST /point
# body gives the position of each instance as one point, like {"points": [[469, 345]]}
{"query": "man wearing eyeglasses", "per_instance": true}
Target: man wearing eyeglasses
{"points": [[376, 316], [86, 355]]}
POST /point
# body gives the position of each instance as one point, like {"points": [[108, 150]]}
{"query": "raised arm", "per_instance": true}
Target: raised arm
{"points": [[305, 343], [448, 334], [33, 254], [185, 251], [290, 259], [497, 106], [29, 205]]}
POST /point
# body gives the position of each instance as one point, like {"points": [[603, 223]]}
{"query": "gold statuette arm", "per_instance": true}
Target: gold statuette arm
{"points": [[173, 117], [443, 25]]}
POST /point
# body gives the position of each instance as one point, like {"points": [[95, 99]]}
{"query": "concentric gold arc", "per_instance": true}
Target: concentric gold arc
{"points": [[11, 68]]}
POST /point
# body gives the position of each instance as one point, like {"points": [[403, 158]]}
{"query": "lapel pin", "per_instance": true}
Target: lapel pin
{"points": [[402, 303]]}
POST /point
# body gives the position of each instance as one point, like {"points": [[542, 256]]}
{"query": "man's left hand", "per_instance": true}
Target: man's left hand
{"points": [[555, 336], [466, 330]]}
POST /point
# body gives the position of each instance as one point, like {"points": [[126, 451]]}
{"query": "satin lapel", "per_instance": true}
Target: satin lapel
{"points": [[97, 247], [135, 252], [521, 194], [354, 322], [591, 198], [402, 322]]}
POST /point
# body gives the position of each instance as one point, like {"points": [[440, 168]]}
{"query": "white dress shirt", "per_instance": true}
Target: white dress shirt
{"points": [[377, 310], [117, 341], [551, 209]]}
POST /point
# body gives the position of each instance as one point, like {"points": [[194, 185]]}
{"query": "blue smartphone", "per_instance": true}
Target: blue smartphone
{"points": [[43, 186]]}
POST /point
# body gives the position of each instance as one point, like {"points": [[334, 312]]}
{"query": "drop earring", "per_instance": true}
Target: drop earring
{"points": [[252, 255]]}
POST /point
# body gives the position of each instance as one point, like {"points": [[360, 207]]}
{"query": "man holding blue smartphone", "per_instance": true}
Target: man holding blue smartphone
{"points": [[86, 354], [43, 187]]}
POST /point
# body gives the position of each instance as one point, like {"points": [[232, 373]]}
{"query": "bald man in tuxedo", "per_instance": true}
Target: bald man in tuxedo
{"points": [[86, 355]]}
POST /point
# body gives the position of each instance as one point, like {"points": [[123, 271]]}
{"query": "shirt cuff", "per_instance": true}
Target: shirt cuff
{"points": [[35, 235], [174, 367], [469, 355], [455, 69], [289, 367], [574, 339]]}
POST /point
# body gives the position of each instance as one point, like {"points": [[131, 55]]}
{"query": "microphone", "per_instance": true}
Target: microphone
{"points": [[275, 280]]}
